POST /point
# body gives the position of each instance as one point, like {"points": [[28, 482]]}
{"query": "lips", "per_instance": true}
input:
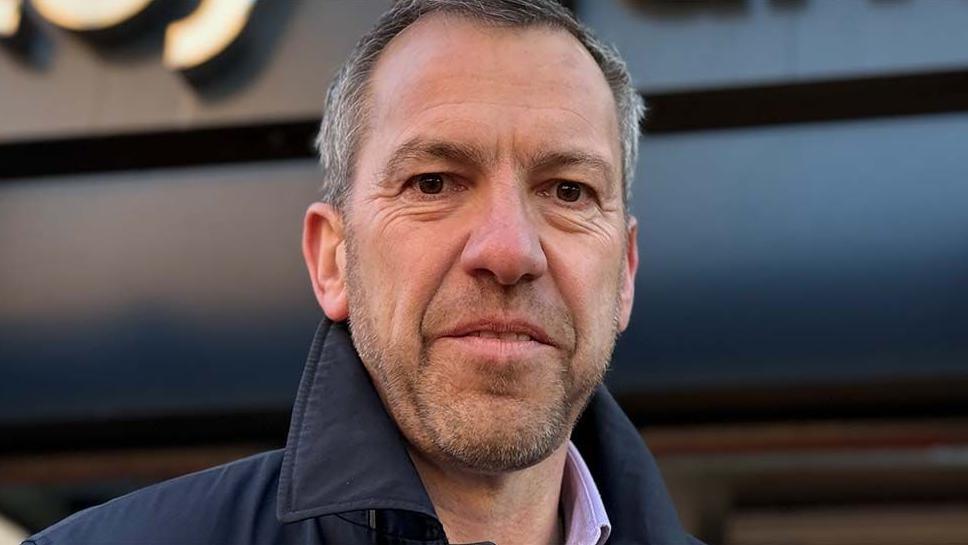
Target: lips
{"points": [[500, 336], [502, 330]]}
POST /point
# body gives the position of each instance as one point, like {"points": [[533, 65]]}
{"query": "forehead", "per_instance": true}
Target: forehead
{"points": [[461, 78]]}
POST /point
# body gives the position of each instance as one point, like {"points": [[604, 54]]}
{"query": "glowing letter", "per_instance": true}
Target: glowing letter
{"points": [[10, 13], [206, 32], [87, 15]]}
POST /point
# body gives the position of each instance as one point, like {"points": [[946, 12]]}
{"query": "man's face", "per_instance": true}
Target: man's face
{"points": [[489, 262]]}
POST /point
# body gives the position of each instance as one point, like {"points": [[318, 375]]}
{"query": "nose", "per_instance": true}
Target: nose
{"points": [[504, 243]]}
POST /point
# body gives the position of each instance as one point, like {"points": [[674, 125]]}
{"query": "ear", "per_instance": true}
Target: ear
{"points": [[627, 291], [324, 249]]}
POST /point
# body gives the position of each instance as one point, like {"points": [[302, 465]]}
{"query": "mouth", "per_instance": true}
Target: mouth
{"points": [[509, 337], [501, 331]]}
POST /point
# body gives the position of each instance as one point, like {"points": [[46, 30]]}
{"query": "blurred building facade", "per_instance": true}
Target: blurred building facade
{"points": [[798, 343]]}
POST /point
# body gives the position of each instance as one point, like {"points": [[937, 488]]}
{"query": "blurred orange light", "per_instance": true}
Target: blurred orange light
{"points": [[87, 15], [10, 17], [206, 32]]}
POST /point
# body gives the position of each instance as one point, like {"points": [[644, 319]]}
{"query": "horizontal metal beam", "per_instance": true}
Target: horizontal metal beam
{"points": [[812, 101], [158, 149]]}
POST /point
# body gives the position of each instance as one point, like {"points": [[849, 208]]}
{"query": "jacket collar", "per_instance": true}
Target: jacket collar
{"points": [[344, 453]]}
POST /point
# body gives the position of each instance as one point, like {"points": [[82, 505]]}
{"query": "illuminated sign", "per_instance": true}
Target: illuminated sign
{"points": [[191, 42], [89, 15], [10, 14], [206, 32]]}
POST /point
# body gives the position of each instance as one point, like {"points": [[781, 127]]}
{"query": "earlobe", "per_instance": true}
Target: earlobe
{"points": [[627, 293], [323, 246]]}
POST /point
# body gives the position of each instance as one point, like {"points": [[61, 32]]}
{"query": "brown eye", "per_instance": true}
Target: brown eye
{"points": [[568, 191], [430, 183]]}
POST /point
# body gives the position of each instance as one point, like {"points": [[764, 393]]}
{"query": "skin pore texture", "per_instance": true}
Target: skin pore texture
{"points": [[484, 261]]}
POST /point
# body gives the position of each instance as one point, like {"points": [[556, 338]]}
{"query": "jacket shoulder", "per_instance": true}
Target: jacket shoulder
{"points": [[231, 503]]}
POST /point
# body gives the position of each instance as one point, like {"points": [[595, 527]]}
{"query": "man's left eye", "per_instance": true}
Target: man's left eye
{"points": [[568, 191]]}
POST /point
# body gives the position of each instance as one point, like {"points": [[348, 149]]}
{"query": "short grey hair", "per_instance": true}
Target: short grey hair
{"points": [[344, 117]]}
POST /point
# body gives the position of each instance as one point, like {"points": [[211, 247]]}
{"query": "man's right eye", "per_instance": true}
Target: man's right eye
{"points": [[429, 184]]}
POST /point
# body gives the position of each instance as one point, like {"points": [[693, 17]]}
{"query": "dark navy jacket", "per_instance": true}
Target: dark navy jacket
{"points": [[345, 477]]}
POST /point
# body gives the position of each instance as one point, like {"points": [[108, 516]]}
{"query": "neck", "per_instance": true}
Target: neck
{"points": [[516, 507]]}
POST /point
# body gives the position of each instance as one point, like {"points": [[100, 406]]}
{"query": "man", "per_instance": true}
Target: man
{"points": [[475, 259]]}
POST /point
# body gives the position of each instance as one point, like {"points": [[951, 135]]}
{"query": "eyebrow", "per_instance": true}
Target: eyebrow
{"points": [[550, 160], [423, 149]]}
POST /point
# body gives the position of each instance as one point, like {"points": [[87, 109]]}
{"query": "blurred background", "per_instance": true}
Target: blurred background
{"points": [[798, 356]]}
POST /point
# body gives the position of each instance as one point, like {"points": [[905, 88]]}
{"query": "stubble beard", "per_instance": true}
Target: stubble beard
{"points": [[494, 431]]}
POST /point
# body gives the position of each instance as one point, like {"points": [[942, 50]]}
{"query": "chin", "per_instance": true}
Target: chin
{"points": [[490, 433]]}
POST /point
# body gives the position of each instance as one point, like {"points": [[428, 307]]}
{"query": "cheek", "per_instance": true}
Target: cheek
{"points": [[587, 276], [406, 267]]}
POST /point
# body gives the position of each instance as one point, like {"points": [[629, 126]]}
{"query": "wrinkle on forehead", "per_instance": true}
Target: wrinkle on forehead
{"points": [[446, 121]]}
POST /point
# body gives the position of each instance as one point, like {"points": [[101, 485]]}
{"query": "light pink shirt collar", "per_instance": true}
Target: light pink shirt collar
{"points": [[586, 522]]}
